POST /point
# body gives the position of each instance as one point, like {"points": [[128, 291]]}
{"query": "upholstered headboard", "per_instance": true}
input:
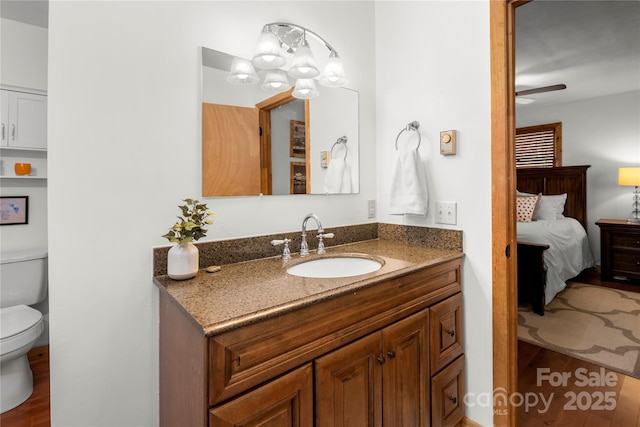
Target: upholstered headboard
{"points": [[566, 179]]}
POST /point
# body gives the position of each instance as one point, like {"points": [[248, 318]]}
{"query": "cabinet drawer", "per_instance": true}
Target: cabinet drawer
{"points": [[445, 334], [286, 401], [626, 240], [447, 395], [626, 262]]}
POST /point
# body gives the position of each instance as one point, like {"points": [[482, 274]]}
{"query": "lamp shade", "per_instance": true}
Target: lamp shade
{"points": [[629, 176], [242, 72], [303, 65], [269, 53], [276, 81], [333, 75], [305, 89]]}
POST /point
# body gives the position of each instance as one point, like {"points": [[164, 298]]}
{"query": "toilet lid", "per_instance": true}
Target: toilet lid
{"points": [[17, 319]]}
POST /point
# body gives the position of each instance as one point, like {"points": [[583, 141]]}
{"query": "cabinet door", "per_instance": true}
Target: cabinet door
{"points": [[283, 402], [406, 372], [27, 120], [4, 117], [349, 385]]}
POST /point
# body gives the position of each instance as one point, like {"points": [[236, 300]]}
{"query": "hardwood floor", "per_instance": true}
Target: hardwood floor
{"points": [[614, 402], [35, 411]]}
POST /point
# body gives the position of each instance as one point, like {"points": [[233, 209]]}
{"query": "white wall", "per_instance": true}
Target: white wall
{"points": [[432, 65], [603, 132], [124, 140], [124, 149]]}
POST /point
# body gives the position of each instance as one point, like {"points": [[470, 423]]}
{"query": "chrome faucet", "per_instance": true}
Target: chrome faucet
{"points": [[304, 246]]}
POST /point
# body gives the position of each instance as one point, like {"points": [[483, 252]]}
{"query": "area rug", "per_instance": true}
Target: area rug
{"points": [[592, 323]]}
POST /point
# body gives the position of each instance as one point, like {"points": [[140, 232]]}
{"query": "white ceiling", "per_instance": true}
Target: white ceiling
{"points": [[591, 46]]}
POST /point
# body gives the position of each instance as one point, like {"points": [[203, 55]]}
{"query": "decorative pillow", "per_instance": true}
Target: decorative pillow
{"points": [[550, 207], [525, 205]]}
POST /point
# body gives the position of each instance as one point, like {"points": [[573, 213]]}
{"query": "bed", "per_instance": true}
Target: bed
{"points": [[551, 249]]}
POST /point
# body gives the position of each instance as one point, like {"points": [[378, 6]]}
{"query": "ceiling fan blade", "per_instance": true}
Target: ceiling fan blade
{"points": [[541, 89]]}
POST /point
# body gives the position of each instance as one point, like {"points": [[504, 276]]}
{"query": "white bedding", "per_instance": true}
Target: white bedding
{"points": [[569, 251]]}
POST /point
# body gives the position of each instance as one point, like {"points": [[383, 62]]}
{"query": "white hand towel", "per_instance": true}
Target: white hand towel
{"points": [[338, 178], [409, 186]]}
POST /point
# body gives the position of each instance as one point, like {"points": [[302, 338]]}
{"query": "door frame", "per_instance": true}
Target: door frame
{"points": [[504, 244]]}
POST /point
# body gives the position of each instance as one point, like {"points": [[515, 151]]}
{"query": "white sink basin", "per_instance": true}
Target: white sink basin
{"points": [[333, 267]]}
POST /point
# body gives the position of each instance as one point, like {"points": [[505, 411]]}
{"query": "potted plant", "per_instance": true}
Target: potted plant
{"points": [[183, 257]]}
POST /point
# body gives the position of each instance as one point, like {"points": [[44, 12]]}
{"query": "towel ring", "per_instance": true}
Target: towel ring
{"points": [[411, 126], [341, 140]]}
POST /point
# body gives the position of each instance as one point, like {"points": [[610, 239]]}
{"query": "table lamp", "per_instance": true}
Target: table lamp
{"points": [[631, 177]]}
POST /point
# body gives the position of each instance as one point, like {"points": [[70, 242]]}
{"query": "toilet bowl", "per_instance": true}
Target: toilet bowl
{"points": [[22, 283], [20, 327]]}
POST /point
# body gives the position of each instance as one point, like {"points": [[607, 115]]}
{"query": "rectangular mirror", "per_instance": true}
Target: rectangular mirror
{"points": [[256, 143]]}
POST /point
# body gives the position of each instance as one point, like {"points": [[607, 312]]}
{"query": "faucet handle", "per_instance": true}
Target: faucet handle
{"points": [[322, 236], [286, 253]]}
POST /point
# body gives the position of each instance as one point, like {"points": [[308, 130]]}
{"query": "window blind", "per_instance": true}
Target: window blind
{"points": [[538, 146]]}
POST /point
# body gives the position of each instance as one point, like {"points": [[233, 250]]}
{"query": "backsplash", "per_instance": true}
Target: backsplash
{"points": [[232, 251]]}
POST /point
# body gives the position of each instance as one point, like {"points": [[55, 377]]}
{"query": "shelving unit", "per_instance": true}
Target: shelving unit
{"points": [[10, 156]]}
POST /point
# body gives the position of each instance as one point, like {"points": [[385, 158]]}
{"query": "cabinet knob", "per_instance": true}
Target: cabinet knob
{"points": [[381, 360], [391, 354], [453, 399], [451, 332]]}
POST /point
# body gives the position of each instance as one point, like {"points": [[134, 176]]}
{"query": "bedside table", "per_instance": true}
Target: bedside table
{"points": [[619, 249]]}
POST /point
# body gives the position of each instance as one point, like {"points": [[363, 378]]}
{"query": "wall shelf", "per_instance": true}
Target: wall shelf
{"points": [[22, 177]]}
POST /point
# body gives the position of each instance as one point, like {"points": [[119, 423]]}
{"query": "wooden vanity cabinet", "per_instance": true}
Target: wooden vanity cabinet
{"points": [[360, 358]]}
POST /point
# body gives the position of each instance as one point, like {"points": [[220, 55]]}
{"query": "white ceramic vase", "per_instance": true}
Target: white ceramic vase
{"points": [[183, 261]]}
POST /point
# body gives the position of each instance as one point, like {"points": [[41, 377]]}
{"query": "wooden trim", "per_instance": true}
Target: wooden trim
{"points": [[504, 294], [276, 101]]}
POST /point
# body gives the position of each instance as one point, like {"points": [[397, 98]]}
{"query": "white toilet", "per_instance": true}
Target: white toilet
{"points": [[23, 282]]}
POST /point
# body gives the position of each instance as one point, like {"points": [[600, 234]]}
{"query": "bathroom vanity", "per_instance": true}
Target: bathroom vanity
{"points": [[253, 345]]}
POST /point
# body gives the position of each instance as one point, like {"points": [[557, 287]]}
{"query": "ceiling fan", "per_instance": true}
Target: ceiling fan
{"points": [[541, 89]]}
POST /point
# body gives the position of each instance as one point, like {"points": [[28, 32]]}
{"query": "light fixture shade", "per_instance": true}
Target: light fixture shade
{"points": [[303, 65], [629, 176], [333, 75], [242, 72], [275, 81], [524, 101], [305, 89], [269, 53]]}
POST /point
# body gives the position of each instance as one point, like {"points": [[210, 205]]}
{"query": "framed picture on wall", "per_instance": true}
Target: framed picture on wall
{"points": [[297, 139], [298, 178], [14, 210]]}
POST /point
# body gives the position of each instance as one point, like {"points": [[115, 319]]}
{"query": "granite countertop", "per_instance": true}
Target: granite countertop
{"points": [[247, 292]]}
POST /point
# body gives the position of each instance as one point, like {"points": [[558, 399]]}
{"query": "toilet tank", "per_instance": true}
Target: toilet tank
{"points": [[23, 277]]}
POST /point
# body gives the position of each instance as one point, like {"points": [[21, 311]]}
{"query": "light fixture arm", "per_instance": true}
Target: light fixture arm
{"points": [[303, 30]]}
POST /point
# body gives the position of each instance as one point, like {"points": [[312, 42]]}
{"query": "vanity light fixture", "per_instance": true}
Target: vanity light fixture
{"points": [[631, 177], [281, 44]]}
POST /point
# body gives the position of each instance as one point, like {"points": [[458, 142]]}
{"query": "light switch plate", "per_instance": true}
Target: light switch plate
{"points": [[371, 207], [446, 213], [448, 142]]}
